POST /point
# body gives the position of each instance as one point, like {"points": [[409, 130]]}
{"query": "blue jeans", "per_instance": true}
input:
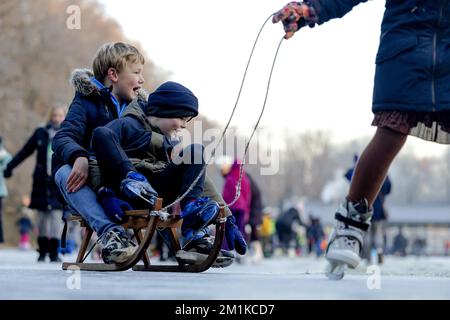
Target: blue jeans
{"points": [[84, 202]]}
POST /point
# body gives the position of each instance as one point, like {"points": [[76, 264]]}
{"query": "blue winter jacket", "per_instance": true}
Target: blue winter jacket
{"points": [[91, 107], [127, 137], [413, 59]]}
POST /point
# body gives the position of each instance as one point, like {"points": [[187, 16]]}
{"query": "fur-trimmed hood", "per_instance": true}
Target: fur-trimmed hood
{"points": [[81, 81]]}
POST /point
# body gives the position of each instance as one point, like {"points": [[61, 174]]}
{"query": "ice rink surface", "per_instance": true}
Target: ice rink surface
{"points": [[276, 278]]}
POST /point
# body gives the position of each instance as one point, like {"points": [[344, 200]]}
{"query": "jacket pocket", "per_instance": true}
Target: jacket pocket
{"points": [[394, 46]]}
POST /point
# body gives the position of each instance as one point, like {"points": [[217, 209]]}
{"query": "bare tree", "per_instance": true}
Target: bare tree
{"points": [[38, 53]]}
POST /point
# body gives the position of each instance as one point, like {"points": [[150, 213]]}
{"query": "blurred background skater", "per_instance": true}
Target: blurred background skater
{"points": [[241, 208], [5, 157], [400, 244], [255, 221], [289, 226], [267, 232], [43, 194], [315, 235], [25, 223]]}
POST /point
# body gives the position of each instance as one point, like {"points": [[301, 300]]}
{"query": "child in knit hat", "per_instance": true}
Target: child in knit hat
{"points": [[136, 149]]}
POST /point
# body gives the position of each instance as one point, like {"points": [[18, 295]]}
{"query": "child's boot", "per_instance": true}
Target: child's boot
{"points": [[198, 214], [199, 247], [117, 246], [346, 240]]}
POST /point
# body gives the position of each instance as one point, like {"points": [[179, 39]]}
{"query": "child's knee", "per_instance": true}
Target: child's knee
{"points": [[101, 134], [62, 175]]}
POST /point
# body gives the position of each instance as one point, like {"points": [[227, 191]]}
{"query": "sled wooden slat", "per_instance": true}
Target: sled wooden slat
{"points": [[140, 239], [84, 244], [136, 223], [170, 223], [132, 213]]}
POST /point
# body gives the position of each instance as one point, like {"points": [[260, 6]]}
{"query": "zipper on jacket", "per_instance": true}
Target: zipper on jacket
{"points": [[433, 93], [433, 85]]}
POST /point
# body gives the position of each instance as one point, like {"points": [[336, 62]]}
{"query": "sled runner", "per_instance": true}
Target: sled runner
{"points": [[144, 224]]}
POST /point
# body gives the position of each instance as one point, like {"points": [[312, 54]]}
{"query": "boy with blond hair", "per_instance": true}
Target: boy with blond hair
{"points": [[101, 96]]}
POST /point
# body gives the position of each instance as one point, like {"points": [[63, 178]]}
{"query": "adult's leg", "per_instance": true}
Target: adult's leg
{"points": [[42, 223], [353, 216], [54, 232], [374, 163], [42, 240], [84, 202], [55, 224]]}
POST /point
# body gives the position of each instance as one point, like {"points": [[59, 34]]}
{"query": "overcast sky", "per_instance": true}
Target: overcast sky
{"points": [[323, 78]]}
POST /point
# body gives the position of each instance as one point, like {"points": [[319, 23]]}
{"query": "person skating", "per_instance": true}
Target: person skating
{"points": [[410, 97]]}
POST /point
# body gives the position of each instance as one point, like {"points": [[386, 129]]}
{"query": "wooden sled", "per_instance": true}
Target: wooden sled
{"points": [[147, 220]]}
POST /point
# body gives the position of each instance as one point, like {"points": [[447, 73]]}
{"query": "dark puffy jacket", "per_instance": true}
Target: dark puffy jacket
{"points": [[413, 60], [44, 193], [90, 108]]}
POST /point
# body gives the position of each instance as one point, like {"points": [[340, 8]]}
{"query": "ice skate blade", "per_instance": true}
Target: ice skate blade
{"points": [[336, 271]]}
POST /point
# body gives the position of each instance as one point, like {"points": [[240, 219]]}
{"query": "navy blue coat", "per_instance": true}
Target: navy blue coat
{"points": [[89, 109], [122, 139], [413, 59], [44, 192]]}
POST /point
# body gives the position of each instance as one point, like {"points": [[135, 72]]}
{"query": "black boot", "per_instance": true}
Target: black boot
{"points": [[53, 250], [43, 248]]}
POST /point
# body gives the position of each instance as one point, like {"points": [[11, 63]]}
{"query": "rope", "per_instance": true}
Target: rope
{"points": [[238, 187]]}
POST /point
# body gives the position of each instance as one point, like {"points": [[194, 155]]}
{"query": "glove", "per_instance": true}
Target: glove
{"points": [[114, 207], [235, 239], [136, 184], [7, 173], [295, 15]]}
